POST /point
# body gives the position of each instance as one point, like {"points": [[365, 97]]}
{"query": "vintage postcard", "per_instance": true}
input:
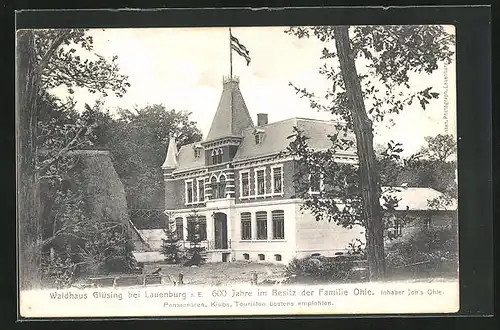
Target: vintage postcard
{"points": [[237, 171]]}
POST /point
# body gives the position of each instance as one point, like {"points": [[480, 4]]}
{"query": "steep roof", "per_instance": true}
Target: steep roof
{"points": [[186, 158], [415, 198], [275, 137], [171, 157], [232, 115]]}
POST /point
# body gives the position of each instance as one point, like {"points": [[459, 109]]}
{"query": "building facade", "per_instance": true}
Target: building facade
{"points": [[238, 186]]}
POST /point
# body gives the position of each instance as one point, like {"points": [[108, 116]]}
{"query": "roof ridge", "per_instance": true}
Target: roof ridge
{"points": [[296, 119]]}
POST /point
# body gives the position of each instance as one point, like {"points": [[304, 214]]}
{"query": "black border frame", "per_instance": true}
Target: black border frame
{"points": [[473, 108]]}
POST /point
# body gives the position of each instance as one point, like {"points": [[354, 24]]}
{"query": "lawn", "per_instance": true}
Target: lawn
{"points": [[223, 273]]}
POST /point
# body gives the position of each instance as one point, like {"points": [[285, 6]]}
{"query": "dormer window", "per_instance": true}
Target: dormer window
{"points": [[259, 136], [217, 156], [197, 150]]}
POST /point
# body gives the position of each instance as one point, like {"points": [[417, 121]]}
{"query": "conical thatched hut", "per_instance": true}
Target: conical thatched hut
{"points": [[104, 192], [96, 184]]}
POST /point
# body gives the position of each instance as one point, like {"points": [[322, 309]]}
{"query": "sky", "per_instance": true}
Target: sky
{"points": [[182, 68]]}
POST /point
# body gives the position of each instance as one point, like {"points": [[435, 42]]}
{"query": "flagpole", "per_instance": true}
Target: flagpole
{"points": [[230, 57]]}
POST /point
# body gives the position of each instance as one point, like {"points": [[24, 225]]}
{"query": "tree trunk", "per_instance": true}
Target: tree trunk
{"points": [[29, 231], [364, 139]]}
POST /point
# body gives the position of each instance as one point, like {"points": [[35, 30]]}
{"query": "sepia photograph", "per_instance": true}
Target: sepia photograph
{"points": [[237, 171]]}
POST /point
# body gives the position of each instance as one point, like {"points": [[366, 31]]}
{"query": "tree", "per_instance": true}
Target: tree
{"points": [[48, 59], [137, 140], [418, 170], [195, 252], [388, 55], [440, 147], [170, 244]]}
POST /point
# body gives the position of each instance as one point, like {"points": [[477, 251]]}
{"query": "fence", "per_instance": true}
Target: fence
{"points": [[209, 245], [160, 279]]}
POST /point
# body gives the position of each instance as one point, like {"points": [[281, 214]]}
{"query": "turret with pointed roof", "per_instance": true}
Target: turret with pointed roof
{"points": [[170, 162], [232, 116]]}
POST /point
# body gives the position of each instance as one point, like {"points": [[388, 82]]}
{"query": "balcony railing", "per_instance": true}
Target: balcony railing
{"points": [[209, 245]]}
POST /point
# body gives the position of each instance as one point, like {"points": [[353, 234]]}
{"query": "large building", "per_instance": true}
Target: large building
{"points": [[239, 187]]}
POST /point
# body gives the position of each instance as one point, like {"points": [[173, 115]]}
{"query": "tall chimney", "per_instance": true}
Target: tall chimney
{"points": [[261, 119]]}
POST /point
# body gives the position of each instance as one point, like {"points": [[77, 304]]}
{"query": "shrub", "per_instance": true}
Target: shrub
{"points": [[425, 252], [58, 271], [320, 269]]}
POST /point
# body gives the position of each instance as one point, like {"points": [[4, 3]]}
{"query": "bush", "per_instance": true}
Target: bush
{"points": [[320, 269], [429, 252], [170, 247], [58, 271]]}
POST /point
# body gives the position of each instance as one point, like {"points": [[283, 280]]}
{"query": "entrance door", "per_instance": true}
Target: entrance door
{"points": [[220, 231]]}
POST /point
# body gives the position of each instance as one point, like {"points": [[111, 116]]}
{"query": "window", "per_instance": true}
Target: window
{"points": [[246, 256], [262, 257], [179, 228], [397, 227], [246, 226], [259, 135], [277, 180], [202, 222], [197, 228], [222, 187], [213, 186], [261, 219], [427, 224], [191, 228], [260, 176], [189, 191], [278, 218], [214, 157], [197, 153], [219, 156], [315, 183], [277, 257], [245, 184], [201, 190], [195, 192]]}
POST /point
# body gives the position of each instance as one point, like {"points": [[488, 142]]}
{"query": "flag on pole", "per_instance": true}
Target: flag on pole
{"points": [[240, 49]]}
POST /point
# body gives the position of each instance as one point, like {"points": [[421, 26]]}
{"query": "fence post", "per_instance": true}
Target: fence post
{"points": [[254, 279], [144, 280], [181, 279], [115, 280]]}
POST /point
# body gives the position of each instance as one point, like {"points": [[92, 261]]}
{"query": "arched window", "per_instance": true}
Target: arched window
{"points": [[277, 257], [214, 156], [246, 256], [222, 187], [219, 155], [262, 257], [214, 186]]}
